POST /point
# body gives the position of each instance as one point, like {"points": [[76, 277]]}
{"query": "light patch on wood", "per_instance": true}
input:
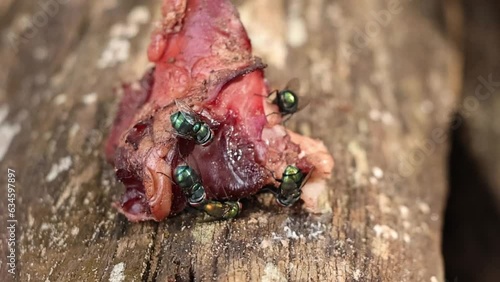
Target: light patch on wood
{"points": [[31, 218], [117, 274], [139, 15], [117, 51], [357, 274], [434, 279], [60, 99], [375, 114], [434, 217], [380, 248], [359, 155], [320, 69], [122, 246], [296, 26], [203, 233], [406, 238], [377, 172], [73, 132], [406, 224], [21, 23], [384, 203], [316, 230], [40, 53], [404, 210], [290, 234], [312, 231], [427, 107], [45, 226], [62, 165], [7, 131], [272, 274], [266, 243], [424, 207], [264, 22], [263, 220], [90, 98], [4, 111], [118, 48], [74, 186], [387, 118], [75, 230], [385, 232], [124, 30]]}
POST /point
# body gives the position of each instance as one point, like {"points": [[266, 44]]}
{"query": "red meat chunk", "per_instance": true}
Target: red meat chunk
{"points": [[203, 59]]}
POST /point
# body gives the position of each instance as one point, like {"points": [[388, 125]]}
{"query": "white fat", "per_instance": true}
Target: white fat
{"points": [[315, 192], [272, 113], [315, 196], [316, 153]]}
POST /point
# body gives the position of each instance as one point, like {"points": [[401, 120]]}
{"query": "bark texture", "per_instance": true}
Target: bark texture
{"points": [[382, 79]]}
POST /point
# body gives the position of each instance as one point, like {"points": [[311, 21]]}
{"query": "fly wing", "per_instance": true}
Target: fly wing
{"points": [[306, 178], [185, 109], [293, 85], [303, 102]]}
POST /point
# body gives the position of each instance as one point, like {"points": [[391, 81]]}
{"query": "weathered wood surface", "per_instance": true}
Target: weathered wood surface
{"points": [[382, 108]]}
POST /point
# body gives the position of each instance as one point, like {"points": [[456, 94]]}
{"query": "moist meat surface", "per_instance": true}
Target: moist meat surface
{"points": [[203, 60]]}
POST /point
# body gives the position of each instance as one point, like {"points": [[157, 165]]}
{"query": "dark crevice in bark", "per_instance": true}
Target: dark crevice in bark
{"points": [[471, 226], [157, 251], [149, 260], [191, 273]]}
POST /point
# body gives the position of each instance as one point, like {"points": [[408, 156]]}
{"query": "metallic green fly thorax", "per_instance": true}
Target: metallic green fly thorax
{"points": [[289, 190], [187, 125], [287, 102], [292, 174]]}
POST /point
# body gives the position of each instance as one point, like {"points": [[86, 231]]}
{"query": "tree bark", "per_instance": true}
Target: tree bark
{"points": [[383, 81]]}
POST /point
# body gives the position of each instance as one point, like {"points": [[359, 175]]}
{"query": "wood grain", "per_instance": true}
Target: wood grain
{"points": [[381, 102]]}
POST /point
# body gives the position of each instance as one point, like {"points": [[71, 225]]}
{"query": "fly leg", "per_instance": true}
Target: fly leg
{"points": [[288, 196], [284, 197]]}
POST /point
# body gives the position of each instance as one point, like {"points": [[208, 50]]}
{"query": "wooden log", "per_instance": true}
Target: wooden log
{"points": [[382, 78]]}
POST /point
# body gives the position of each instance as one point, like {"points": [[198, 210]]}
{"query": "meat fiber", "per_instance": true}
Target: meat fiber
{"points": [[202, 58]]}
